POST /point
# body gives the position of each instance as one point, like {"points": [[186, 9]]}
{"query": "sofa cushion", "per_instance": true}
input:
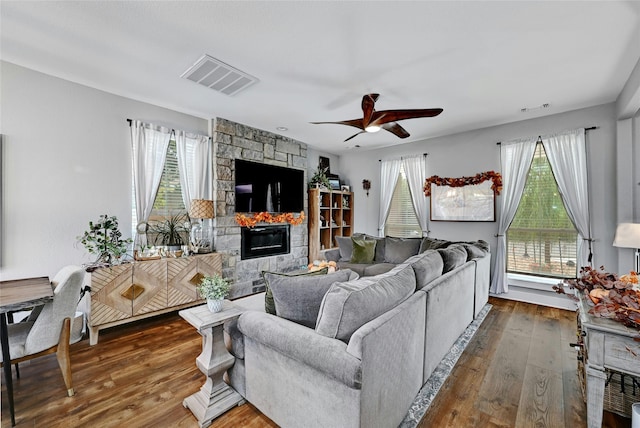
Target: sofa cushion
{"points": [[427, 267], [380, 247], [364, 251], [355, 267], [453, 257], [474, 251], [345, 245], [432, 244], [349, 305], [377, 269], [298, 298], [269, 306], [397, 250]]}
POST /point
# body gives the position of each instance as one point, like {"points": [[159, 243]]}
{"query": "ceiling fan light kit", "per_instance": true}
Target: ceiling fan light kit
{"points": [[373, 121]]}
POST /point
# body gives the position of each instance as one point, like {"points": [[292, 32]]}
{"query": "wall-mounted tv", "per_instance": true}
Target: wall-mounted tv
{"points": [[263, 187]]}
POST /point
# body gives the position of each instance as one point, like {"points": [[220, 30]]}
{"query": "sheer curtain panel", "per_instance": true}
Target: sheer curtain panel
{"points": [[149, 149], [515, 159], [567, 155], [415, 170], [194, 166], [389, 171]]}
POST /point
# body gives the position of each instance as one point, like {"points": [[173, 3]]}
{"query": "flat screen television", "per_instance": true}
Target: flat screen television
{"points": [[262, 187]]}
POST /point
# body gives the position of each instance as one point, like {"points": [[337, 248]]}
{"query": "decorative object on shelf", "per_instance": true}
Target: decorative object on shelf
{"points": [[214, 288], [345, 188], [613, 297], [265, 217], [335, 183], [628, 236], [481, 177], [320, 179], [171, 231], [105, 240], [366, 185], [345, 201], [324, 163], [201, 234]]}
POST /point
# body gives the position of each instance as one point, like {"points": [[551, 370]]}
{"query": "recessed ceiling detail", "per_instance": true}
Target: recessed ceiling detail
{"points": [[217, 75]]}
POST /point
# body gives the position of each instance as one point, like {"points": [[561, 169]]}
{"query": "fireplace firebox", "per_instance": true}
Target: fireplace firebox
{"points": [[264, 241]]}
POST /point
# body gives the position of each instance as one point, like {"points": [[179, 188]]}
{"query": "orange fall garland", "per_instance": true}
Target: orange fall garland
{"points": [[495, 177], [265, 217]]}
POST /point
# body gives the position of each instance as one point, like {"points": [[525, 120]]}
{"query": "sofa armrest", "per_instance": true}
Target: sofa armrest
{"points": [[303, 344], [332, 255]]}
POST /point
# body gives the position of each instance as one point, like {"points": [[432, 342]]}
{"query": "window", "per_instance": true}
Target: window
{"points": [[541, 239], [169, 197], [402, 221]]}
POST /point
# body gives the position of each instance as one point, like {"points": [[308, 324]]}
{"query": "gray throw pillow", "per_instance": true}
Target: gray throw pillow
{"points": [[474, 251], [397, 250], [453, 257], [427, 266], [298, 298], [432, 244], [269, 305], [345, 245], [380, 247], [347, 306]]}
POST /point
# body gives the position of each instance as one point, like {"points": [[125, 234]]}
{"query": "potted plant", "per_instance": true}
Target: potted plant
{"points": [[214, 288], [105, 240], [319, 178], [171, 231]]}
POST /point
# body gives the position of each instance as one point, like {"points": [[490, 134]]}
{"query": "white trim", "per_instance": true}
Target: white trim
{"points": [[538, 297]]}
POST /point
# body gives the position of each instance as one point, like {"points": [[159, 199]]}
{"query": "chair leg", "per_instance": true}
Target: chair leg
{"points": [[17, 371], [62, 353]]}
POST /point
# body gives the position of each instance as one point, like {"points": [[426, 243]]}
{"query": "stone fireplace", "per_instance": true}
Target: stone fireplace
{"points": [[236, 141]]}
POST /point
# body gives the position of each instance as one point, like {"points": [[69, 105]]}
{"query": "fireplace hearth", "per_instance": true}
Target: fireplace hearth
{"points": [[265, 241]]}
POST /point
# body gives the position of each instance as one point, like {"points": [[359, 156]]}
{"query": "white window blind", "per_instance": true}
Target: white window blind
{"points": [[169, 198], [402, 221], [542, 240]]}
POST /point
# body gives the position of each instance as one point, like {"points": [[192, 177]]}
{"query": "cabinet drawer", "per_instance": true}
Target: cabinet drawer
{"points": [[622, 354]]}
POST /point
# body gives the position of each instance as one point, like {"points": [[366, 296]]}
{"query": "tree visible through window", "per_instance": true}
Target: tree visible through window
{"points": [[402, 221], [169, 198], [542, 240]]}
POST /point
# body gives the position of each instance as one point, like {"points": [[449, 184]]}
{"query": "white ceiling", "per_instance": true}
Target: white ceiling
{"points": [[480, 61]]}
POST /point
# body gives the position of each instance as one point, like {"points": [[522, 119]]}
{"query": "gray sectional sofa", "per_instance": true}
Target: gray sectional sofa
{"points": [[375, 342]]}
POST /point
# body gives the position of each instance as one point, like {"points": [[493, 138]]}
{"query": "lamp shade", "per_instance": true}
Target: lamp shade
{"points": [[627, 235], [201, 208]]}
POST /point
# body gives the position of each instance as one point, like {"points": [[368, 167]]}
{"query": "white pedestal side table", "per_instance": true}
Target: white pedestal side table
{"points": [[214, 397]]}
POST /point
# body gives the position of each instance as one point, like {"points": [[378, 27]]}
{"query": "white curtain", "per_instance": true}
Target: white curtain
{"points": [[567, 155], [389, 170], [515, 159], [149, 146], [195, 166], [415, 170]]}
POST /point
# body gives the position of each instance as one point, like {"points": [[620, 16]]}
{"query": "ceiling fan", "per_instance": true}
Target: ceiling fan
{"points": [[373, 120]]}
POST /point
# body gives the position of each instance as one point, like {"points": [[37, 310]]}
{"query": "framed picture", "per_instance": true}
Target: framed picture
{"points": [[475, 202], [345, 188], [335, 183], [323, 162]]}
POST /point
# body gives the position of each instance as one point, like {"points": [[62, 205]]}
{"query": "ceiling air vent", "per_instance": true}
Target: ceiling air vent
{"points": [[218, 76]]}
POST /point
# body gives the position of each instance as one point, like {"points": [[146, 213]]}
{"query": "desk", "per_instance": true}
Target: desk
{"points": [[14, 296], [608, 345], [215, 397]]}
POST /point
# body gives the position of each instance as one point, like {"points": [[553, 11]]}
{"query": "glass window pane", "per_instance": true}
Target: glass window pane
{"points": [[402, 221]]}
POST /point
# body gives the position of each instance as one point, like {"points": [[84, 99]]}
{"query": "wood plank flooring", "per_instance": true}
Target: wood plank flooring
{"points": [[518, 371]]}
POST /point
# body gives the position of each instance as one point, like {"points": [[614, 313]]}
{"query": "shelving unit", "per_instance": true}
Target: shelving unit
{"points": [[330, 215]]}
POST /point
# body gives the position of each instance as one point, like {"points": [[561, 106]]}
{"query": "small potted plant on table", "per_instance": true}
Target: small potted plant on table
{"points": [[214, 288]]}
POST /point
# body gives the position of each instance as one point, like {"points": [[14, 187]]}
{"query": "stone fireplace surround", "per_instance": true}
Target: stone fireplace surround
{"points": [[236, 141]]}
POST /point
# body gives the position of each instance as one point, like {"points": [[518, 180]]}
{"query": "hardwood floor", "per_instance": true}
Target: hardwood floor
{"points": [[518, 371]]}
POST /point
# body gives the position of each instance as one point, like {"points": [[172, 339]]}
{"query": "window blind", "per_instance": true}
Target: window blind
{"points": [[402, 221]]}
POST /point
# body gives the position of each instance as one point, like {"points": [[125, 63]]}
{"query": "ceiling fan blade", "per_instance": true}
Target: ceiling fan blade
{"points": [[368, 102], [354, 135], [354, 122], [386, 116], [395, 129]]}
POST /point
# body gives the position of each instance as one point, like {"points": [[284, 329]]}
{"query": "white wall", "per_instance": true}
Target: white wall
{"points": [[66, 161], [469, 153]]}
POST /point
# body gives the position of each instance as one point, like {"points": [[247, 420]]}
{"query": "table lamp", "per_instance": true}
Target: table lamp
{"points": [[201, 236], [628, 236]]}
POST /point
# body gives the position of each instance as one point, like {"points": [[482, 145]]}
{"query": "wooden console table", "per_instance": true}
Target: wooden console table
{"points": [[607, 345], [133, 291], [214, 397]]}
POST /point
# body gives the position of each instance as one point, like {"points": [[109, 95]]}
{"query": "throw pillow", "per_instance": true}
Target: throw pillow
{"points": [[379, 258], [397, 250], [298, 298], [364, 251], [427, 266], [269, 305], [347, 306], [432, 244], [474, 251], [453, 257], [345, 245]]}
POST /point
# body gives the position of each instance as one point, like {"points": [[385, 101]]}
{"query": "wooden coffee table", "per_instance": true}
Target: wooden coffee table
{"points": [[214, 397]]}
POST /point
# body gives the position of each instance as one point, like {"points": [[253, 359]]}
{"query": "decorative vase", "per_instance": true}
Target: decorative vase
{"points": [[215, 305]]}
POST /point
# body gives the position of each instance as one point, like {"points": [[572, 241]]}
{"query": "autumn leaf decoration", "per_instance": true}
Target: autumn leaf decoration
{"points": [[265, 217], [481, 177]]}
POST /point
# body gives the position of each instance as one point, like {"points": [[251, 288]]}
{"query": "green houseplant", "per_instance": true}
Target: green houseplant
{"points": [[170, 231], [320, 179], [214, 288], [104, 239]]}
